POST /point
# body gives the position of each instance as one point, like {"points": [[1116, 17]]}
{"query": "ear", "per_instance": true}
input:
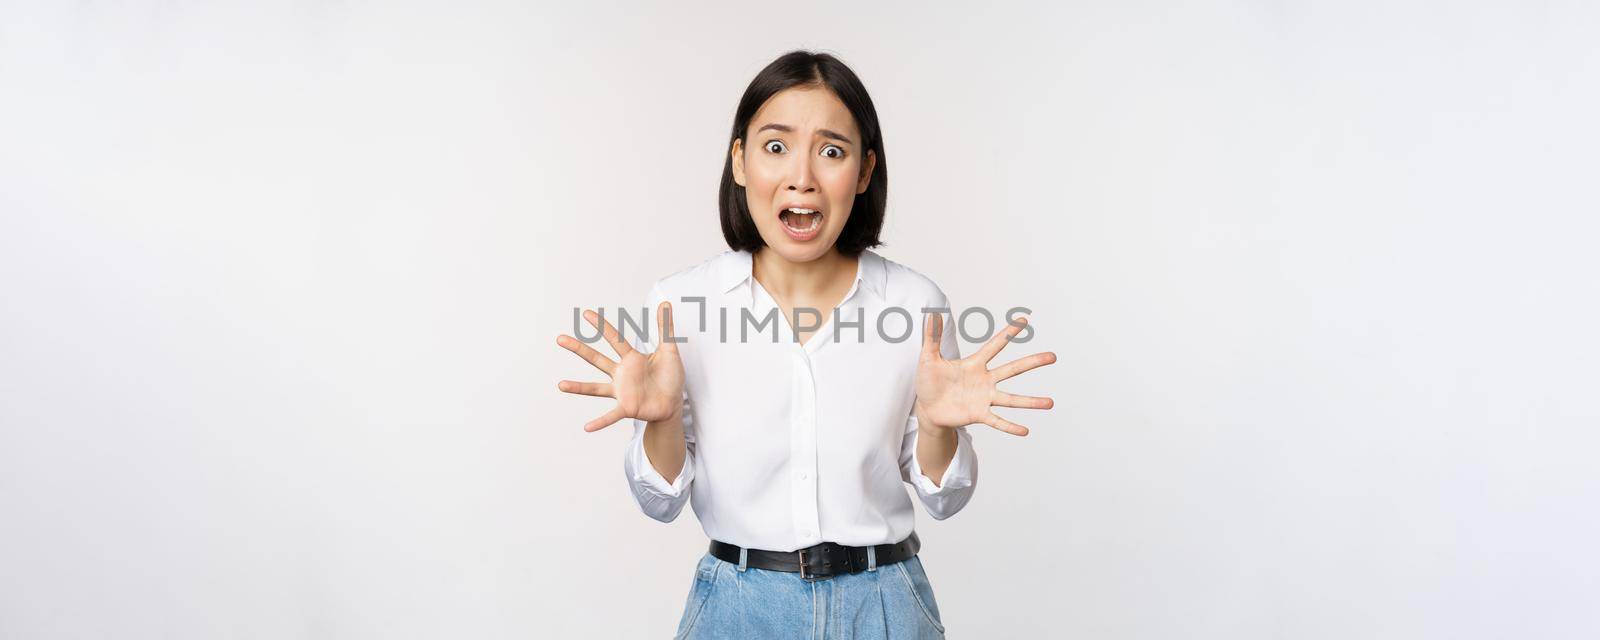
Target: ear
{"points": [[866, 172], [737, 153]]}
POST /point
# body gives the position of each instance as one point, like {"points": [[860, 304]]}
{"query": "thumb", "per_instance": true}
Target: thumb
{"points": [[664, 326], [932, 333]]}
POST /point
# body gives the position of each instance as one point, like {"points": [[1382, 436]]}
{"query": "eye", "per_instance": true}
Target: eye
{"points": [[832, 151], [776, 146]]}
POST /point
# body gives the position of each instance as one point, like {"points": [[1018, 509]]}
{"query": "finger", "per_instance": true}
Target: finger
{"points": [[1022, 364], [998, 342], [599, 389], [664, 326], [1005, 425], [611, 417], [622, 347], [932, 333], [1003, 399], [584, 351]]}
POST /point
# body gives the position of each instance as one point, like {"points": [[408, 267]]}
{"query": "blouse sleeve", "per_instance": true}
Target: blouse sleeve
{"points": [[656, 497], [960, 479]]}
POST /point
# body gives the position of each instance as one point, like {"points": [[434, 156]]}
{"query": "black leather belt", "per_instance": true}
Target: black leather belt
{"points": [[822, 560]]}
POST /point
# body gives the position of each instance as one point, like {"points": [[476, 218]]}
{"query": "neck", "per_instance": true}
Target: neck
{"points": [[790, 280]]}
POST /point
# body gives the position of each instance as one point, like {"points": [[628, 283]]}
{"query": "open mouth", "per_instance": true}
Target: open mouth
{"points": [[801, 224]]}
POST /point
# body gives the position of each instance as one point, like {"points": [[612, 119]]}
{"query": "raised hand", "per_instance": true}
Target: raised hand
{"points": [[647, 387], [954, 393]]}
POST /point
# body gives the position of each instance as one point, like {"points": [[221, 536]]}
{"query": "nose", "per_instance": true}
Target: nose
{"points": [[800, 178]]}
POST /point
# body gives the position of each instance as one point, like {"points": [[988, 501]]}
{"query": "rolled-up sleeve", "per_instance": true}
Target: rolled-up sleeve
{"points": [[955, 487], [960, 479], [656, 497]]}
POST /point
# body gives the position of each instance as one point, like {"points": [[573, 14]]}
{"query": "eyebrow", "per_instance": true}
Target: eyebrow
{"points": [[826, 133]]}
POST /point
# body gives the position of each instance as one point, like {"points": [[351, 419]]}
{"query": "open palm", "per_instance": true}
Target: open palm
{"points": [[647, 387], [954, 393]]}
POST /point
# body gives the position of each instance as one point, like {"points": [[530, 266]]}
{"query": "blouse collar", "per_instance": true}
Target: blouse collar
{"points": [[738, 267]]}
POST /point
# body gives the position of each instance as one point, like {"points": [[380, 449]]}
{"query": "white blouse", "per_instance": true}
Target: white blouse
{"points": [[790, 445]]}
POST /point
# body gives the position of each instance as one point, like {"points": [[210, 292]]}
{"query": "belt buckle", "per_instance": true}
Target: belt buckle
{"points": [[804, 575]]}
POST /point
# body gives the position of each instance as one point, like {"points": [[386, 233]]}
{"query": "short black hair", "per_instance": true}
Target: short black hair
{"points": [[793, 69]]}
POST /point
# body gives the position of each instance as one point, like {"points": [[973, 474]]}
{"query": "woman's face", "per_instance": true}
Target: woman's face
{"points": [[802, 151]]}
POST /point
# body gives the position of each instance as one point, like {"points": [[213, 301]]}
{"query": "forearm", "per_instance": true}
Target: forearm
{"points": [[664, 446], [936, 447]]}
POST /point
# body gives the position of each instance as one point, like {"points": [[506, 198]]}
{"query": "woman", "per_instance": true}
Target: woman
{"points": [[793, 451]]}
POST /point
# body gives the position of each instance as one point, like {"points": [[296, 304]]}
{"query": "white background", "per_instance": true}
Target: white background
{"points": [[281, 282]]}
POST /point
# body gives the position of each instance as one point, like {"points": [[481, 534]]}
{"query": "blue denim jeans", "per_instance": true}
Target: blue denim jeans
{"points": [[888, 602]]}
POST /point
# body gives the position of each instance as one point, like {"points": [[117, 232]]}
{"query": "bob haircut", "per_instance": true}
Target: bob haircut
{"points": [[804, 68]]}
